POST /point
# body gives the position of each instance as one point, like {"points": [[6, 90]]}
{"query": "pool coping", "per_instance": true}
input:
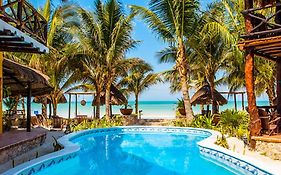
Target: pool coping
{"points": [[207, 147]]}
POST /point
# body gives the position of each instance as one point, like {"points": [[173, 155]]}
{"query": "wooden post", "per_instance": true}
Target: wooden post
{"points": [[28, 118], [243, 105], [255, 124], [235, 102], [1, 89], [76, 109], [69, 107], [278, 89]]}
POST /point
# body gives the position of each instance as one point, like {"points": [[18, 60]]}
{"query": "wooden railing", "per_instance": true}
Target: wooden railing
{"points": [[23, 16], [266, 21]]}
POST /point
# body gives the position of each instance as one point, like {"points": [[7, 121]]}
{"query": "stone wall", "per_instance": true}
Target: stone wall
{"points": [[272, 150], [11, 151]]}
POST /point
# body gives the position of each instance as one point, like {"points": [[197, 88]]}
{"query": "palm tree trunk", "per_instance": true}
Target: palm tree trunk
{"points": [[137, 103], [255, 123], [23, 106], [183, 69], [271, 95], [212, 88], [44, 107], [98, 105], [107, 101], [55, 105]]}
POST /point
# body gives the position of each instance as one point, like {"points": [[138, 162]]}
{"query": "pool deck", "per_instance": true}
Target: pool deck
{"points": [[12, 138]]}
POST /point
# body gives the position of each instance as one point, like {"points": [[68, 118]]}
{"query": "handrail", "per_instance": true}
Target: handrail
{"points": [[25, 17], [263, 25]]}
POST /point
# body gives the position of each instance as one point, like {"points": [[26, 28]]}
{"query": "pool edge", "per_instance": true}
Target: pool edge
{"points": [[207, 148]]}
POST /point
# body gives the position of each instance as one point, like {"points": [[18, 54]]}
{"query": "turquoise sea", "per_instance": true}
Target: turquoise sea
{"points": [[150, 109]]}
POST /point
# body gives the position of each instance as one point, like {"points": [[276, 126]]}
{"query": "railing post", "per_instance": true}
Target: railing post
{"points": [[19, 14]]}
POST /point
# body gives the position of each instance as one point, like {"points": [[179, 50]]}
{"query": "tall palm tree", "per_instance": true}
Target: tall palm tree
{"points": [[173, 21], [138, 79], [55, 63], [111, 30]]}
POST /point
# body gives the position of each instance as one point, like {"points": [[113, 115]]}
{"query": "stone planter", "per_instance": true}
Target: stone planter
{"points": [[126, 111], [182, 111]]}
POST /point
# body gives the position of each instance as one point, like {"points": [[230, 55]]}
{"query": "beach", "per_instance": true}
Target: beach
{"points": [[150, 109]]}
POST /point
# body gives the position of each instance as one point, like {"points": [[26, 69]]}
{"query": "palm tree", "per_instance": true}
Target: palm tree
{"points": [[111, 30], [173, 21], [138, 79], [55, 63]]}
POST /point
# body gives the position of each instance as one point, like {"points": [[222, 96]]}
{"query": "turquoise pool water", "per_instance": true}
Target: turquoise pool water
{"points": [[138, 154]]}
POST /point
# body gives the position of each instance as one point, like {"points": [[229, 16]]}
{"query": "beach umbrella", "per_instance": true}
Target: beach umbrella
{"points": [[117, 97], [203, 97]]}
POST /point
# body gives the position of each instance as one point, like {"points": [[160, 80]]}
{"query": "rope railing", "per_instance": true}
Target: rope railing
{"points": [[24, 17]]}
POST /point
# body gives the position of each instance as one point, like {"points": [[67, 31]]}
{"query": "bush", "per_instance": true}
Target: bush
{"points": [[234, 123], [97, 123], [200, 121]]}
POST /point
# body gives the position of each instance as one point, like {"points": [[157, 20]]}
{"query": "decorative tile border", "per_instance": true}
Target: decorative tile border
{"points": [[207, 149], [232, 162]]}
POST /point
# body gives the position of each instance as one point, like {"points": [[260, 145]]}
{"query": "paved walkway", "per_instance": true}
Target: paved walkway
{"points": [[44, 149]]}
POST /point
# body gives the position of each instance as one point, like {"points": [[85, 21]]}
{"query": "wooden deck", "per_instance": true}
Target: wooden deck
{"points": [[267, 138]]}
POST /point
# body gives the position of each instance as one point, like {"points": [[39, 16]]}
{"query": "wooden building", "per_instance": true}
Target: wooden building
{"points": [[22, 29], [262, 38]]}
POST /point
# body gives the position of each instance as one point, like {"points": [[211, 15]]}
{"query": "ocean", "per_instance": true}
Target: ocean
{"points": [[150, 109]]}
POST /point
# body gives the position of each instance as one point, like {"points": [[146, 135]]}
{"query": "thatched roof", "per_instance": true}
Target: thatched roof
{"points": [[117, 98], [203, 96], [17, 77], [39, 99]]}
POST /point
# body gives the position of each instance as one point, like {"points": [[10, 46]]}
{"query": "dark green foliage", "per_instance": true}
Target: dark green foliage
{"points": [[234, 123]]}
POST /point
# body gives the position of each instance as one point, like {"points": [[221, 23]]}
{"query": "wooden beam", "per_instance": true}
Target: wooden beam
{"points": [[266, 56], [28, 116], [76, 107], [266, 46], [69, 106], [278, 89], [1, 90], [269, 48]]}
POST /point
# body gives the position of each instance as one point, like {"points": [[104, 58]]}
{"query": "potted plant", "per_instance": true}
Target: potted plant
{"points": [[126, 109], [180, 107]]}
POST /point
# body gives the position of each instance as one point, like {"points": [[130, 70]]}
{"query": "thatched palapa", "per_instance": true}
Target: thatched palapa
{"points": [[17, 77], [39, 99], [203, 96], [117, 98]]}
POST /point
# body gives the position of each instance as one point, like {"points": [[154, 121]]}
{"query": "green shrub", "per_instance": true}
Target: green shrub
{"points": [[202, 121], [234, 123], [97, 123]]}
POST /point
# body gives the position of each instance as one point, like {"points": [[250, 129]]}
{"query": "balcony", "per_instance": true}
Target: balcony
{"points": [[265, 36], [22, 28]]}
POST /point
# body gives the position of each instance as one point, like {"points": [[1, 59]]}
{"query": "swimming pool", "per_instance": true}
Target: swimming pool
{"points": [[138, 151]]}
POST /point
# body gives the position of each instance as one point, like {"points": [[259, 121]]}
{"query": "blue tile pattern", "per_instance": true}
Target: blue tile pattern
{"points": [[232, 162], [36, 168]]}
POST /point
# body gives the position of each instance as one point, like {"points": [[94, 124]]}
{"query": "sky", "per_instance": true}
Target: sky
{"points": [[146, 50]]}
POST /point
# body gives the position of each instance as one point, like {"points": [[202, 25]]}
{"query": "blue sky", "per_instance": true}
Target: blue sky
{"points": [[147, 50]]}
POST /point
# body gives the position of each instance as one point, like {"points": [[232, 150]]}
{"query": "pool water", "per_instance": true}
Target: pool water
{"points": [[138, 154]]}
